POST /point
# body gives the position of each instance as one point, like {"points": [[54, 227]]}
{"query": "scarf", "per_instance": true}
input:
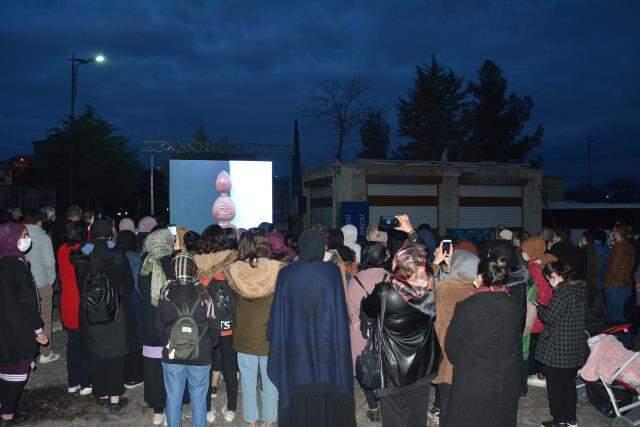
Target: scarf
{"points": [[494, 288], [9, 235], [416, 288], [186, 274], [157, 245]]}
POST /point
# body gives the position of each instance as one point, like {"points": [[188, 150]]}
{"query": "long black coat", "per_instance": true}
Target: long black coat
{"points": [[19, 311], [117, 338], [410, 350], [483, 343], [563, 342]]}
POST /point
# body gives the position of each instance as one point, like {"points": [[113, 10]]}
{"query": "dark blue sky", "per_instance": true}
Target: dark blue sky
{"points": [[244, 68]]}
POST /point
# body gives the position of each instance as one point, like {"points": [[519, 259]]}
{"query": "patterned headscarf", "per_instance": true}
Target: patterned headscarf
{"points": [[411, 275], [185, 268], [10, 232], [157, 245]]}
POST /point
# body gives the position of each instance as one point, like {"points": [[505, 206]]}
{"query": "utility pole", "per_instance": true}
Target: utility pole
{"points": [[589, 141], [152, 202]]}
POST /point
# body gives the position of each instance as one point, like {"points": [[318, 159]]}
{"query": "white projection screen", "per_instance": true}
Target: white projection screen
{"points": [[192, 192]]}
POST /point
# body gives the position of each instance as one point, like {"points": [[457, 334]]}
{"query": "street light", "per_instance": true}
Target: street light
{"points": [[75, 63]]}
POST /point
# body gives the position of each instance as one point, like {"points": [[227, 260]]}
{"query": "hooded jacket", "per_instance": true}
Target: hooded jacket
{"points": [[350, 233], [535, 248], [254, 287], [41, 257], [70, 293], [620, 263], [449, 292]]}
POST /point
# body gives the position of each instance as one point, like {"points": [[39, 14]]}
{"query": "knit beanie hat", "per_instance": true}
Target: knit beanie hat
{"points": [[126, 224], [146, 224]]}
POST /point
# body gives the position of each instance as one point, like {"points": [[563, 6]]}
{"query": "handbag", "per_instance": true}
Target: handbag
{"points": [[369, 362]]}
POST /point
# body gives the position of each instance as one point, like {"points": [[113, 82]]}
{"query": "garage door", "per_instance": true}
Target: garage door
{"points": [[321, 202], [418, 201], [490, 206]]}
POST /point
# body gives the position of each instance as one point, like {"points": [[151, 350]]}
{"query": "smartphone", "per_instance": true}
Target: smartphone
{"points": [[446, 246], [173, 229], [388, 223]]}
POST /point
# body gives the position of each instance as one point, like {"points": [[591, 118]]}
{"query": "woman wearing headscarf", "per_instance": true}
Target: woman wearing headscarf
{"points": [[107, 343], [77, 366], [533, 252], [253, 278], [156, 270], [375, 257], [481, 343], [20, 323], [409, 349], [449, 292], [186, 292], [218, 253], [309, 353], [126, 242], [350, 233]]}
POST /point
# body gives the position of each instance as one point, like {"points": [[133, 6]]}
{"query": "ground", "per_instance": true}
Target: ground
{"points": [[46, 398]]}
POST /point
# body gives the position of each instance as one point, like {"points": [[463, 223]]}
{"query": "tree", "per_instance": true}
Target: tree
{"points": [[374, 136], [496, 120], [201, 134], [104, 172], [431, 114], [338, 105]]}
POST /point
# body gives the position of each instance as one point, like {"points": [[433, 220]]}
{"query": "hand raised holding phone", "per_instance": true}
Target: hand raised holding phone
{"points": [[443, 252]]}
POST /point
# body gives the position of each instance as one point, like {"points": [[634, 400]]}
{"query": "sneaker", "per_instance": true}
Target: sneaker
{"points": [[552, 423], [214, 392], [74, 389], [133, 384], [374, 416], [158, 419], [52, 357], [433, 415], [86, 391], [535, 381], [572, 424], [211, 416], [117, 407], [228, 415]]}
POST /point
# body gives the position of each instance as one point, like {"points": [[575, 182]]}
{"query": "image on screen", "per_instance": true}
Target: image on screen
{"points": [[192, 192]]}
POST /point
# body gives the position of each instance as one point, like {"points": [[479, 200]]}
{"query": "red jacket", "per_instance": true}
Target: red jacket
{"points": [[70, 296], [545, 293]]}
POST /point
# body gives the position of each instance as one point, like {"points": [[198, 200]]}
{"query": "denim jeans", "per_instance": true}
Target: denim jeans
{"points": [[175, 377], [77, 367], [248, 365], [617, 298]]}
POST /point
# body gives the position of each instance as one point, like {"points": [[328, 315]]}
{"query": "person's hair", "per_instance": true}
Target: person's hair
{"points": [[600, 235], [73, 211], [588, 236], [33, 216], [347, 254], [548, 231], [291, 240], [623, 230], [88, 216], [75, 232], [126, 241], [561, 268], [230, 238], [374, 255], [523, 236], [192, 241], [5, 216], [253, 245], [493, 271], [424, 226], [212, 239], [563, 234], [335, 238]]}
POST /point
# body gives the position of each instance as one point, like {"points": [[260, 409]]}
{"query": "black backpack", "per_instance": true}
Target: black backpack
{"points": [[99, 300]]}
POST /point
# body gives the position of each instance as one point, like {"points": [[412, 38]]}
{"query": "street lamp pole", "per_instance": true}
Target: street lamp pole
{"points": [[75, 63]]}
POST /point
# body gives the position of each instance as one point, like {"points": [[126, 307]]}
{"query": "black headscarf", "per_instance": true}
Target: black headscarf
{"points": [[101, 229], [126, 240], [311, 246]]}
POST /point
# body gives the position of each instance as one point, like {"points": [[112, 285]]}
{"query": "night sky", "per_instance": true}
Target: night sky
{"points": [[245, 68]]}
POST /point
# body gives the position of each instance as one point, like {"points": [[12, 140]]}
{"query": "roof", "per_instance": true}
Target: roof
{"points": [[566, 204]]}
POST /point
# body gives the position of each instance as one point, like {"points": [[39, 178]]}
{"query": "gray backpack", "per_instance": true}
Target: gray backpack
{"points": [[184, 340]]}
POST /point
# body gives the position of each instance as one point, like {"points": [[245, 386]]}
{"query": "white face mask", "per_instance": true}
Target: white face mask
{"points": [[525, 256], [552, 282], [24, 244]]}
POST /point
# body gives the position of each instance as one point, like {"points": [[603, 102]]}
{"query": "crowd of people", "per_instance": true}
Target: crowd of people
{"points": [[293, 319]]}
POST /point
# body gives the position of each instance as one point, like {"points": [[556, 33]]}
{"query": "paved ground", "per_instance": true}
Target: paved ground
{"points": [[46, 398]]}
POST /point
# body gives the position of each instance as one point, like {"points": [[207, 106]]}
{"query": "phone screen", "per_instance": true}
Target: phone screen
{"points": [[446, 246], [173, 229]]}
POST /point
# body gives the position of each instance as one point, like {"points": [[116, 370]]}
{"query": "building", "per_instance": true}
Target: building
{"points": [[443, 194]]}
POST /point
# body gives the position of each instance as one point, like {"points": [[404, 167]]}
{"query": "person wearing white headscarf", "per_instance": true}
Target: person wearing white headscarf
{"points": [[350, 233]]}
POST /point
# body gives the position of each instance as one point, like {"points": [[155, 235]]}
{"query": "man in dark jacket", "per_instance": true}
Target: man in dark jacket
{"points": [[566, 251]]}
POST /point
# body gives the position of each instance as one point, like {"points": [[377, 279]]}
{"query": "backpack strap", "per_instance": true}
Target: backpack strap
{"points": [[361, 285], [177, 309]]}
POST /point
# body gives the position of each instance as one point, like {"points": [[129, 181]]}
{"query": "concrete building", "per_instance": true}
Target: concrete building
{"points": [[442, 194]]}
